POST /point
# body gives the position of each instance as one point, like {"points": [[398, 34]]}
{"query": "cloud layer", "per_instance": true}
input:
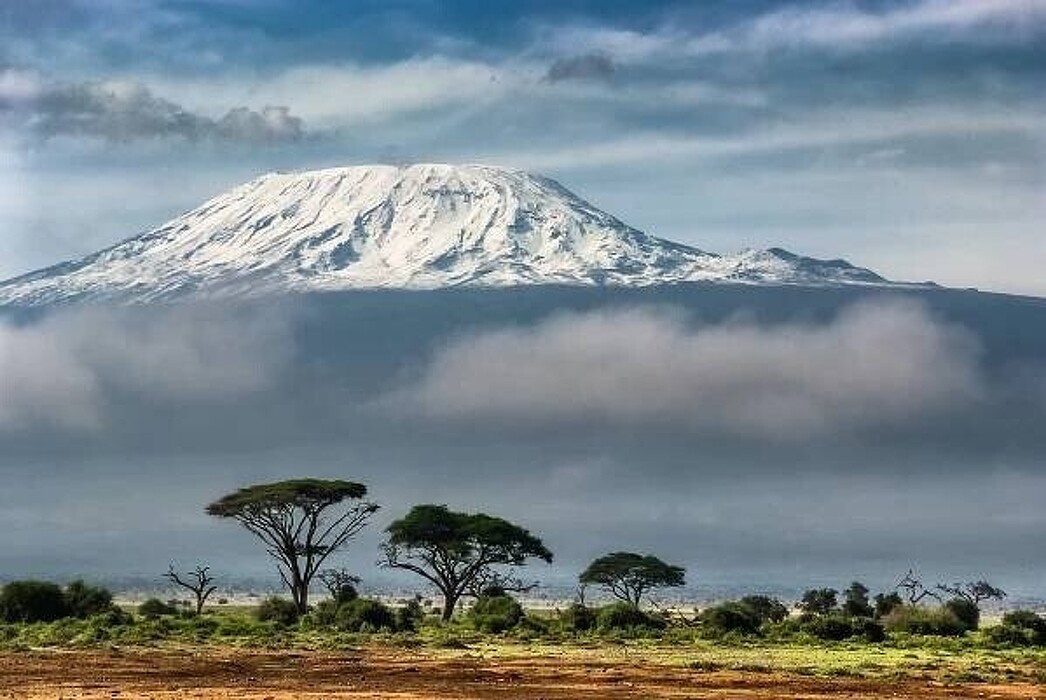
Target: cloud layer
{"points": [[875, 365], [66, 370]]}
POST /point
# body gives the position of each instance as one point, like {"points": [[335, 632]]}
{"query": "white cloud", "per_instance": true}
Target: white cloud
{"points": [[827, 128], [330, 95], [828, 25], [875, 365], [845, 25], [61, 371]]}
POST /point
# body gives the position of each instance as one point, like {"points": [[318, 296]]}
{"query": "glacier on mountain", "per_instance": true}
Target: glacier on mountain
{"points": [[422, 226]]}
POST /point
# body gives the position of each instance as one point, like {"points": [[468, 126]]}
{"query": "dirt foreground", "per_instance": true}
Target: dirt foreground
{"points": [[410, 675]]}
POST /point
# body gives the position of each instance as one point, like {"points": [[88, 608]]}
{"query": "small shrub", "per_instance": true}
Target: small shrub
{"points": [[203, 627], [965, 611], [767, 609], [578, 618], [154, 607], [872, 630], [113, 617], [1019, 628], [410, 616], [345, 593], [495, 614], [833, 628], [940, 622], [32, 601], [364, 615], [622, 616], [731, 617], [322, 614], [83, 600], [278, 610], [532, 626]]}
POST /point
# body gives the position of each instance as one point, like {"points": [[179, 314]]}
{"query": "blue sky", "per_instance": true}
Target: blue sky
{"points": [[907, 136]]}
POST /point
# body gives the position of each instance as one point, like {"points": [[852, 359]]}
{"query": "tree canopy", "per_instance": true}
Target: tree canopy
{"points": [[629, 576], [454, 550], [299, 524]]}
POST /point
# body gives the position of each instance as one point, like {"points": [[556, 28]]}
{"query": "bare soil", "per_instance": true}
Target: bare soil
{"points": [[411, 675]]}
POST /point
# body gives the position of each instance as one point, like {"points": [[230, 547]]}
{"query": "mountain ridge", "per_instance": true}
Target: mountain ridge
{"points": [[423, 226]]}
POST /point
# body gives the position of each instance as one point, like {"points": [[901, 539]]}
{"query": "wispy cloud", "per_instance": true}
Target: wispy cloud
{"points": [[827, 128], [847, 25], [825, 25]]}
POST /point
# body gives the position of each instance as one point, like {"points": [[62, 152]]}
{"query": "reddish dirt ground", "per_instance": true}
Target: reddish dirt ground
{"points": [[164, 675]]}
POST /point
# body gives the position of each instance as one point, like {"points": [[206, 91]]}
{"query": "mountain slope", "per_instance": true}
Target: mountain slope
{"points": [[415, 227]]}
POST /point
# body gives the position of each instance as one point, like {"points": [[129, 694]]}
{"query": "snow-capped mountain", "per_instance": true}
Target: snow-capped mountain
{"points": [[415, 227]]}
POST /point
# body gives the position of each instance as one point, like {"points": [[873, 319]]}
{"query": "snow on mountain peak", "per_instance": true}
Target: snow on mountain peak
{"points": [[418, 227]]}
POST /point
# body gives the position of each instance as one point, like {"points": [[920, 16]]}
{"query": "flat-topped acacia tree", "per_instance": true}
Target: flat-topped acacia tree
{"points": [[454, 550], [301, 522], [629, 576]]}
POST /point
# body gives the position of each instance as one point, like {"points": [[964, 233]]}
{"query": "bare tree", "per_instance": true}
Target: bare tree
{"points": [[975, 592], [914, 590], [198, 581], [579, 593], [339, 583]]}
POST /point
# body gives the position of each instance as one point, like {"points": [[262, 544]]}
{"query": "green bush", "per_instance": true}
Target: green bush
{"points": [[833, 627], [364, 615], [495, 613], [410, 615], [872, 630], [32, 601], [154, 607], [623, 616], [885, 602], [965, 611], [322, 614], [731, 617], [530, 627], [1019, 628], [113, 617], [578, 618], [767, 609], [911, 619], [84, 601], [278, 610], [819, 601]]}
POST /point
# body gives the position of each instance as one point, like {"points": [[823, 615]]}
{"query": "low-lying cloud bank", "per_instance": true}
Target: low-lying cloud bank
{"points": [[875, 365], [66, 370]]}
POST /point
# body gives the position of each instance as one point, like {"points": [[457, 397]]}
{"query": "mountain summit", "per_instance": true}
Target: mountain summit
{"points": [[414, 227]]}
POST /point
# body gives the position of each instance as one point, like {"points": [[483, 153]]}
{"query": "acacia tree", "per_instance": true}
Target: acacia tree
{"points": [[629, 576], [300, 522], [453, 551], [198, 581]]}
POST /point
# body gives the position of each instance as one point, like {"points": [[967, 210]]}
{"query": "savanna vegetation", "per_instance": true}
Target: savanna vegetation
{"points": [[467, 567]]}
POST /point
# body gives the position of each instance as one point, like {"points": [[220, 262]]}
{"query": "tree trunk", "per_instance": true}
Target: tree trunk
{"points": [[449, 603], [199, 605], [300, 593]]}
